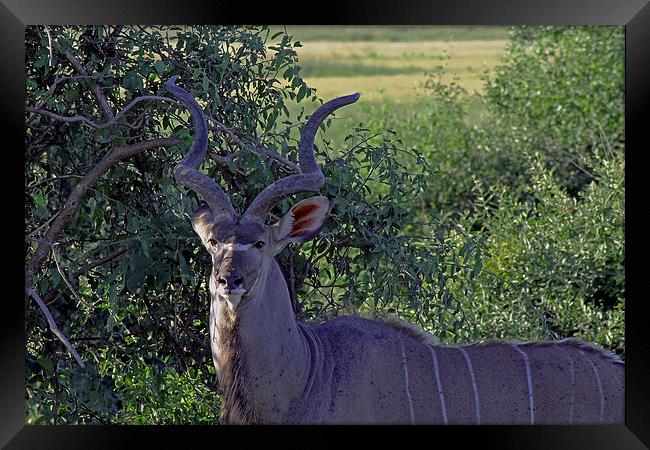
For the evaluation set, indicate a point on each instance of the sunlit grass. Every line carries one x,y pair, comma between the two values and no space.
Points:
394,69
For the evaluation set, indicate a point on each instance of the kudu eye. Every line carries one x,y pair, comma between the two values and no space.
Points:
260,244
213,242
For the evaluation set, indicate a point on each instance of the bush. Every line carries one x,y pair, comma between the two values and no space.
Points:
436,127
559,92
558,255
126,255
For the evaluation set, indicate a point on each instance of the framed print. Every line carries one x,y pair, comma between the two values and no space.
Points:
412,215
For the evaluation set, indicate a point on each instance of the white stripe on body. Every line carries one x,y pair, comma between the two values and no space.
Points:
439,385
474,387
531,399
406,378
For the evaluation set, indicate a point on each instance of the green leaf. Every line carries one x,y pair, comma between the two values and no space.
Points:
132,81
160,67
301,93
110,324
144,243
477,268
135,280
47,364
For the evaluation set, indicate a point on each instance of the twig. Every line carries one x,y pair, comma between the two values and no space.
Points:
583,170
57,81
110,257
93,124
47,180
49,43
65,280
55,329
360,188
31,235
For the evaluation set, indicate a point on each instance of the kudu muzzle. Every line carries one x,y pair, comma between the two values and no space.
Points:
229,277
229,282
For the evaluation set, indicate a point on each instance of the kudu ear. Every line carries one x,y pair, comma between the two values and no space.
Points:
302,223
202,222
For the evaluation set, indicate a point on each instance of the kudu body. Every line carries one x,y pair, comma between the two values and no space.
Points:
273,369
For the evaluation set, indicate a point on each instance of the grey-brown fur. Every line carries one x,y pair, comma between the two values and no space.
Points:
352,370
356,375
405,327
232,373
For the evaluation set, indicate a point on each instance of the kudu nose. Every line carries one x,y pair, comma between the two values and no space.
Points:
231,281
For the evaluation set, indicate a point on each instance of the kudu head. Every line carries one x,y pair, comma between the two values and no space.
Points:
243,246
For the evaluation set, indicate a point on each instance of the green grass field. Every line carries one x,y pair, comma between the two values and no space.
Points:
389,65
394,70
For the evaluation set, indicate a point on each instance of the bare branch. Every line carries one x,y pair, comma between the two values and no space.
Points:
65,279
57,81
93,124
60,118
49,43
108,258
74,200
94,88
53,326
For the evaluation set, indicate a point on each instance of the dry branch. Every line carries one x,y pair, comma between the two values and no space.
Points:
92,123
64,216
53,326
74,200
94,87
63,277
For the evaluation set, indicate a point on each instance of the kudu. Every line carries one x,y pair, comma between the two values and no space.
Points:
273,369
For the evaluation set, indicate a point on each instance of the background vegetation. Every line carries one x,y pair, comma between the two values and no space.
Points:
477,190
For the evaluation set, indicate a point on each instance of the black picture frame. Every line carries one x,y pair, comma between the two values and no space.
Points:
633,14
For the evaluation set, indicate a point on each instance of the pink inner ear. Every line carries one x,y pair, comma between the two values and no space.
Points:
301,227
305,217
301,211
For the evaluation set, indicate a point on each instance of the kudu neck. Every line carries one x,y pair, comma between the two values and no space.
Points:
260,353
271,306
